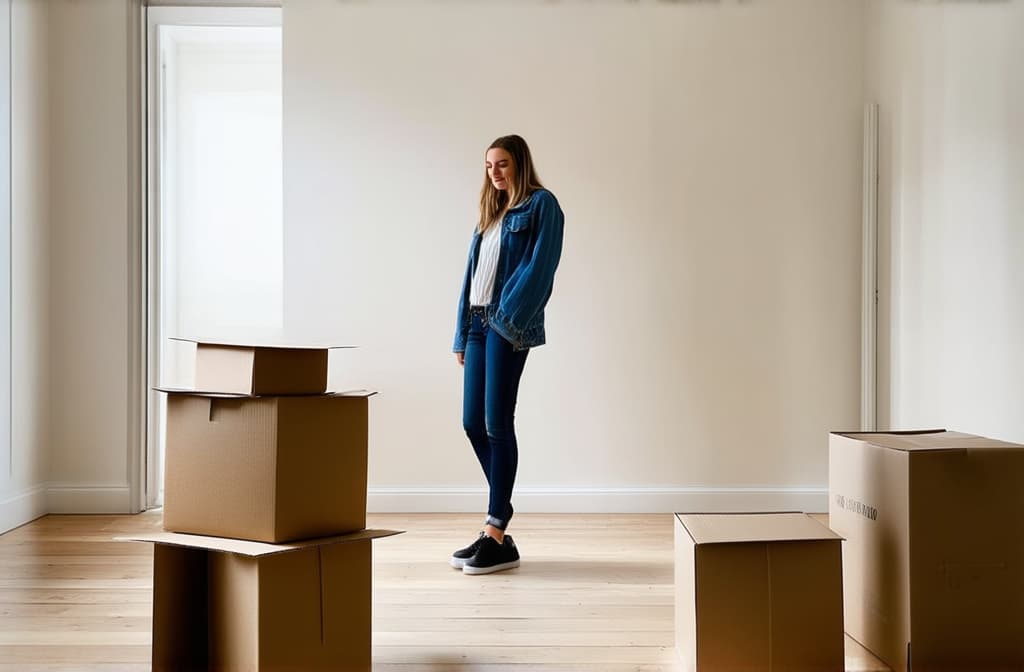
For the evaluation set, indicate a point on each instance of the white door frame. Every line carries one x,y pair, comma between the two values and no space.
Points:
6,261
156,16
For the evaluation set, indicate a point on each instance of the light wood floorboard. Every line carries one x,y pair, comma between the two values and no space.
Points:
594,594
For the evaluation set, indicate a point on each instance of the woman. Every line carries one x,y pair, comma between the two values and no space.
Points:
509,275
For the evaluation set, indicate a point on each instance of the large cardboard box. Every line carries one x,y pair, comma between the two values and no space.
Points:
260,369
270,469
934,556
225,604
758,591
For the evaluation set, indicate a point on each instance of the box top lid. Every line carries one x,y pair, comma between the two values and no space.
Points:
931,439
253,549
730,528
239,395
265,345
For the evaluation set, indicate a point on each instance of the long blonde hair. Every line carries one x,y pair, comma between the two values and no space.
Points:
494,202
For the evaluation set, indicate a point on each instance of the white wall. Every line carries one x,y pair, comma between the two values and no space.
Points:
949,83
24,469
88,400
704,331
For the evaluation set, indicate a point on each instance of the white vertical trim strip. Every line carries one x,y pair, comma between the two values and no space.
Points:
135,216
869,272
7,201
152,205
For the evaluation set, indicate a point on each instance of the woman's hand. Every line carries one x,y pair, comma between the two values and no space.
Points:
461,357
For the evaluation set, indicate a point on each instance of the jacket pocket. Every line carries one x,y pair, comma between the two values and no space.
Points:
515,240
517,223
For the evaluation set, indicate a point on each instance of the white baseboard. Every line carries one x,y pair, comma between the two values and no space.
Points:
28,505
601,500
88,498
22,507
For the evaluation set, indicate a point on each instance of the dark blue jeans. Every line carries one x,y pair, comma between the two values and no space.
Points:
489,391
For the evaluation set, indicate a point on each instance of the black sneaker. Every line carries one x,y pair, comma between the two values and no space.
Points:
493,557
460,556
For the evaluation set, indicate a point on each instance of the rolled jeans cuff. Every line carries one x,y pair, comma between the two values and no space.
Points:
496,522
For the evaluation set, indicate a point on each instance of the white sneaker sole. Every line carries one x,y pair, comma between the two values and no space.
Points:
457,563
470,569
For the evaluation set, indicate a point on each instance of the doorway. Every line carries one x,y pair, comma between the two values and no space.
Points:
215,236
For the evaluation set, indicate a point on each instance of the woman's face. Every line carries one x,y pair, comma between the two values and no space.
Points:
500,168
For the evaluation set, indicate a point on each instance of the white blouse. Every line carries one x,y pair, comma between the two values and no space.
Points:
486,267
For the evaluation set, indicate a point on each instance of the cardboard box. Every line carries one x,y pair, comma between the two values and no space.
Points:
758,591
270,469
225,604
260,369
934,556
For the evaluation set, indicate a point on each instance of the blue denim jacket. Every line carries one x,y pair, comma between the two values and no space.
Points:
531,245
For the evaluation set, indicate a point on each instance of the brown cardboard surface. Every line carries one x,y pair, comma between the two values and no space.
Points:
744,603
733,607
179,587
308,608
934,559
260,370
262,344
929,440
233,612
196,392
807,624
712,528
967,588
869,508
686,596
253,549
268,469
302,422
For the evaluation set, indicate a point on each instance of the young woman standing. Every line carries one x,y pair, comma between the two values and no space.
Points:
509,276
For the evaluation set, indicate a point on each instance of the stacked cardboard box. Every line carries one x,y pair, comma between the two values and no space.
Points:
266,564
934,556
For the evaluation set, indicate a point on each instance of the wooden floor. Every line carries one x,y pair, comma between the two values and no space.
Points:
594,594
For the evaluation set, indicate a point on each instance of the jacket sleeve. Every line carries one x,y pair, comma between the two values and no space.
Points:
461,320
529,287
